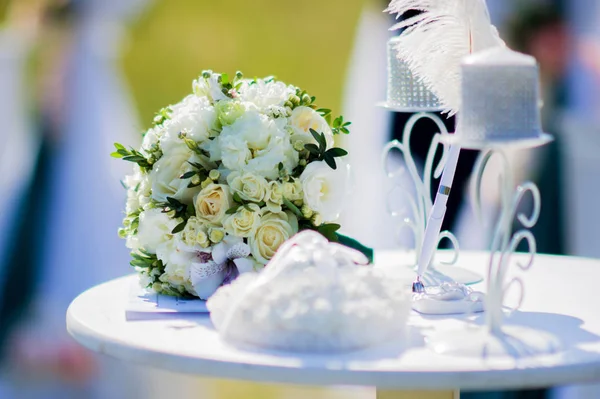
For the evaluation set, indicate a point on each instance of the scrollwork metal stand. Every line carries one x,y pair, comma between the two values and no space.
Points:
495,338
420,205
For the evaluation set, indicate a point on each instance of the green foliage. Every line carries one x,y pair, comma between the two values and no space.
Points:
145,260
162,116
295,210
132,155
240,202
339,125
321,153
329,231
180,211
199,171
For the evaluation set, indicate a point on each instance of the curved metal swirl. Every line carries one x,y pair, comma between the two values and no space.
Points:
504,242
415,219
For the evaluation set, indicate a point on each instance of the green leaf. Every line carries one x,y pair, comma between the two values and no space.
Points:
330,160
119,146
351,243
316,136
320,139
179,227
146,253
196,165
188,175
139,263
313,149
224,79
329,231
322,143
324,111
337,152
337,122
293,208
238,199
232,210
116,155
173,201
134,158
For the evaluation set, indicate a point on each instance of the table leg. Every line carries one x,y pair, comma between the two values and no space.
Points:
417,394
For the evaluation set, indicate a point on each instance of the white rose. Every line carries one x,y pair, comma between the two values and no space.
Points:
274,197
266,162
255,143
195,117
151,139
292,190
232,150
154,229
212,203
325,189
244,222
303,119
274,229
177,263
166,173
195,234
249,186
266,95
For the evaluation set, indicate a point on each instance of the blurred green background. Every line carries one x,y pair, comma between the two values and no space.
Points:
304,43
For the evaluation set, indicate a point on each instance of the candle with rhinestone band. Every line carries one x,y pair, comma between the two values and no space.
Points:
500,111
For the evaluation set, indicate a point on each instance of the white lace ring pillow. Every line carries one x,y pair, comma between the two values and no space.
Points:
314,296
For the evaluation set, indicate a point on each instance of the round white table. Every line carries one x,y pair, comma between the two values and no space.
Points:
561,298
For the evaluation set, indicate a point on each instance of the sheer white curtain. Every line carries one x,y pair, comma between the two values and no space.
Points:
366,217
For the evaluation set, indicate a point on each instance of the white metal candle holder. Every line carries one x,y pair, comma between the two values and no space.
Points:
494,338
405,93
500,114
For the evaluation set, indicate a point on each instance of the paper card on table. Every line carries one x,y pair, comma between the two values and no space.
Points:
143,302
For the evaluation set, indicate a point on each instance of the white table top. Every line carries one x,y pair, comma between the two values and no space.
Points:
562,297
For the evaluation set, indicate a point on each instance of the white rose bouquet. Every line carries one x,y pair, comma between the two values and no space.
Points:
224,177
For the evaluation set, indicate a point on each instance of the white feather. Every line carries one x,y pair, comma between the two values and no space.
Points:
435,41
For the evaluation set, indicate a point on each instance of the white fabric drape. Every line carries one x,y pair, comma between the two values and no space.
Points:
365,216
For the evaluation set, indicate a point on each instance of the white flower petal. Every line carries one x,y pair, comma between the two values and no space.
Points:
206,278
219,253
244,265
